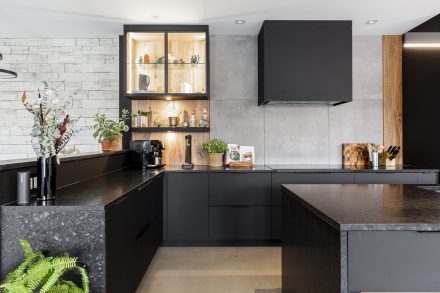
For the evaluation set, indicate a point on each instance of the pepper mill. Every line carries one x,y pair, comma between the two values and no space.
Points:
188,164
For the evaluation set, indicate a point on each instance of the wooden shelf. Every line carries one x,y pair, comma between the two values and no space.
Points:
170,129
163,97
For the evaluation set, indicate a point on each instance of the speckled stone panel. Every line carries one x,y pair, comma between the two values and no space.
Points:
54,230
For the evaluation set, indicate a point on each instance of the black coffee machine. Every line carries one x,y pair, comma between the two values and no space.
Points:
147,153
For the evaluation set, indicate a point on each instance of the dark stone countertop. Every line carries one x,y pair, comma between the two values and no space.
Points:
99,192
202,168
349,169
23,163
372,206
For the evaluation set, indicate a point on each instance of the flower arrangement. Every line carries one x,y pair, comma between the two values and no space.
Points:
53,127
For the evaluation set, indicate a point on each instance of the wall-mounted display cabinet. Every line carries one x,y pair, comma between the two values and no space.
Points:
166,61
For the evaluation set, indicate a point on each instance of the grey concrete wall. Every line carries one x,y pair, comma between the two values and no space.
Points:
293,134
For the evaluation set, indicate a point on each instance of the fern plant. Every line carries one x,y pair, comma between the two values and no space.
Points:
38,273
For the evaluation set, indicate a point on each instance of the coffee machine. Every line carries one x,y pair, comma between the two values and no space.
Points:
147,153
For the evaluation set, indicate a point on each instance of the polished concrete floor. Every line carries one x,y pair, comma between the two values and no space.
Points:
214,270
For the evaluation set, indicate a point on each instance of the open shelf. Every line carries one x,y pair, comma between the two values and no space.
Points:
170,129
163,97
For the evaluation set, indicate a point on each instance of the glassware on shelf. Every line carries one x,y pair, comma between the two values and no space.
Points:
192,119
204,121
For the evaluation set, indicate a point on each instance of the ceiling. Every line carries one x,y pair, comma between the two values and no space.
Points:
104,18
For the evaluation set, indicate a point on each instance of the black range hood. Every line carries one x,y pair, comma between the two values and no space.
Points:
305,62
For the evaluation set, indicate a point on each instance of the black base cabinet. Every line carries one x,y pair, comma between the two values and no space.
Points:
133,235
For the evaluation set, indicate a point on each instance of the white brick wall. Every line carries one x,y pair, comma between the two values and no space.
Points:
87,65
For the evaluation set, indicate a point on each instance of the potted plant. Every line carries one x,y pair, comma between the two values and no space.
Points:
216,149
38,273
108,130
51,131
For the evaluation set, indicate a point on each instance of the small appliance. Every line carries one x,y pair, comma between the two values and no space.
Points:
188,164
147,153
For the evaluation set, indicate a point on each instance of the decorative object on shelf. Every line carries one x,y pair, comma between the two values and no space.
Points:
185,88
6,74
144,82
178,61
106,129
38,273
67,151
195,59
240,155
139,60
216,148
204,122
160,60
188,164
52,130
147,59
142,119
192,119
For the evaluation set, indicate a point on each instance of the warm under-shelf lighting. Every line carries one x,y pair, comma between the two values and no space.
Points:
168,98
422,40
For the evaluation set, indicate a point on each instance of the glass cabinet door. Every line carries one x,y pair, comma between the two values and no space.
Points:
145,63
187,63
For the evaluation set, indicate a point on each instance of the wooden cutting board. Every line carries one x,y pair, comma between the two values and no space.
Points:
355,154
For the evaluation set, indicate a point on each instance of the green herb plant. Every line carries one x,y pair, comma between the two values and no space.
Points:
215,146
107,129
38,273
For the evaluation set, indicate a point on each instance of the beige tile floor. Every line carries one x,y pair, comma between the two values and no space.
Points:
214,270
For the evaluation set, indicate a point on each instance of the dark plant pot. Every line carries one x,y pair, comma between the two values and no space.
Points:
47,178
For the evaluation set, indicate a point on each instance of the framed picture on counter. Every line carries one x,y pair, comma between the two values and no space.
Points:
239,153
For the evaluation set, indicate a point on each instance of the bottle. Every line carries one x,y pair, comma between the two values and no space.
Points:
192,119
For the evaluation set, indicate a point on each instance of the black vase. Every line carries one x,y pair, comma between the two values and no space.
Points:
46,178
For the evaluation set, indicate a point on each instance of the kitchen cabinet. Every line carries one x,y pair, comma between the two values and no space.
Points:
386,178
165,60
188,211
239,223
133,235
239,189
117,240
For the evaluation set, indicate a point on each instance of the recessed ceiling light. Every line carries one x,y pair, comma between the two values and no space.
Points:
372,21
240,21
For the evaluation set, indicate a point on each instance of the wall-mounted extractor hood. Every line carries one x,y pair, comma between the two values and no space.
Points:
305,62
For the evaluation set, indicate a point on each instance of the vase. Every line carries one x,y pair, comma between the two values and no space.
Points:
106,145
46,178
215,159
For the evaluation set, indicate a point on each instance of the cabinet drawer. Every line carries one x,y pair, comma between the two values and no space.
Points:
393,261
386,178
306,178
276,223
239,189
239,223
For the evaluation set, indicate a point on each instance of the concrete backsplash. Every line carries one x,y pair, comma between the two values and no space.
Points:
299,134
293,134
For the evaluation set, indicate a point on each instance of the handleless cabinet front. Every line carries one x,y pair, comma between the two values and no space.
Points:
386,178
188,211
239,189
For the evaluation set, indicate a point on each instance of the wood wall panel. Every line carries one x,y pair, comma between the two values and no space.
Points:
174,153
392,92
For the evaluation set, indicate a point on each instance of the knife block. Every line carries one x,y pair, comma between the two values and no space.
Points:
385,161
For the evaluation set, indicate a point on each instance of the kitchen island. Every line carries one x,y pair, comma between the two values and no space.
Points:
360,238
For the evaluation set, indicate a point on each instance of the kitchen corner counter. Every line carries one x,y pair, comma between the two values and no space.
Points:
97,193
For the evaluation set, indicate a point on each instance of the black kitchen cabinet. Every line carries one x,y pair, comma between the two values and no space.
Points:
305,61
133,235
117,241
386,178
239,189
188,211
306,178
239,223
